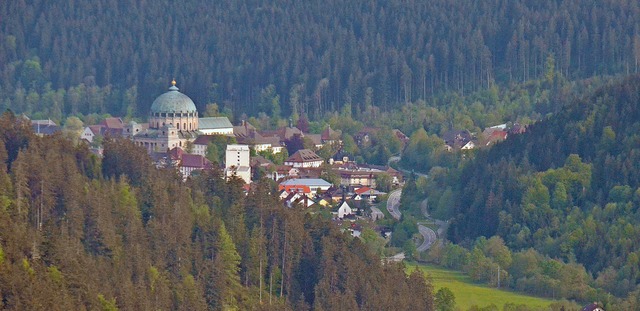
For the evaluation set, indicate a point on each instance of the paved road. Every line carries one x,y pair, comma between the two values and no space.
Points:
428,235
393,203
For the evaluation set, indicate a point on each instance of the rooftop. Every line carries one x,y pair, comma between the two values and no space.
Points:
214,123
310,182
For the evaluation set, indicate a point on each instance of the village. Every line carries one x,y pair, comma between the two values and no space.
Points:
176,137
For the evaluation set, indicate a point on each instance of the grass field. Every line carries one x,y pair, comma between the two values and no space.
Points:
468,293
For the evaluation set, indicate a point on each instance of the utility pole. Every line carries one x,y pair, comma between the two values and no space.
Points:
498,276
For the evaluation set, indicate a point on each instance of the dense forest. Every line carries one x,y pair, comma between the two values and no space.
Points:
114,57
82,233
568,188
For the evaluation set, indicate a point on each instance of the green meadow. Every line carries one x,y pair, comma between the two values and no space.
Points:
468,293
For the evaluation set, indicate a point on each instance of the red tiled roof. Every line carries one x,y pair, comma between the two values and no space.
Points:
362,190
304,155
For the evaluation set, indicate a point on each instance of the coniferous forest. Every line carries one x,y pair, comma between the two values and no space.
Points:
79,233
568,188
114,57
555,206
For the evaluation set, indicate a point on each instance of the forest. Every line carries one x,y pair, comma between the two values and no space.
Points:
554,208
82,233
107,56
567,189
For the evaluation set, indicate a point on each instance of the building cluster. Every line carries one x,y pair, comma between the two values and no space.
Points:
176,136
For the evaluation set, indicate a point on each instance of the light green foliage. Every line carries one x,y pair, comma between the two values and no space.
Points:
72,128
498,251
445,300
1,255
107,304
55,274
27,267
384,182
468,293
374,241
550,68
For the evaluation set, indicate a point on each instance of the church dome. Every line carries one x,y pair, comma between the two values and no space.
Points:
173,101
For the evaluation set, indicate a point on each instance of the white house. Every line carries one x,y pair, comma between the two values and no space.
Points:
344,210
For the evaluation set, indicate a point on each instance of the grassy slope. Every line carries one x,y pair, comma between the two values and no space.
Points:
468,293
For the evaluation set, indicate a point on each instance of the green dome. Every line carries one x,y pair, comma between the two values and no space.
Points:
173,101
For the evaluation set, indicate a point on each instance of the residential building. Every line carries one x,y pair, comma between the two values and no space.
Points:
238,162
304,158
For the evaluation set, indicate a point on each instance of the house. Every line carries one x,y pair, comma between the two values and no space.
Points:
316,139
469,145
284,171
401,136
44,127
517,128
329,136
215,125
341,157
365,136
304,185
368,193
112,126
592,307
304,158
491,137
455,140
201,143
90,132
283,133
193,162
344,210
354,175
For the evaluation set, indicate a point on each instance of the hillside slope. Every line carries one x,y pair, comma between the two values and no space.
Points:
569,187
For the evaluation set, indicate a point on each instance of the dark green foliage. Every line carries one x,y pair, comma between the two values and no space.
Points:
88,56
567,187
141,239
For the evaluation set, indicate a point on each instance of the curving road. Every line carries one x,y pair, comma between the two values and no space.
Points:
393,203
429,237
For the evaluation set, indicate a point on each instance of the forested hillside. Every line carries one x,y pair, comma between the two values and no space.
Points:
569,187
114,57
77,233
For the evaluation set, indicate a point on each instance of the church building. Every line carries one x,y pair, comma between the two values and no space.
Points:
173,122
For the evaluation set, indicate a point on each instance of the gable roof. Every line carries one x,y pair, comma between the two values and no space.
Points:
194,160
244,129
202,140
214,123
328,134
362,190
113,123
284,133
260,161
304,155
315,138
